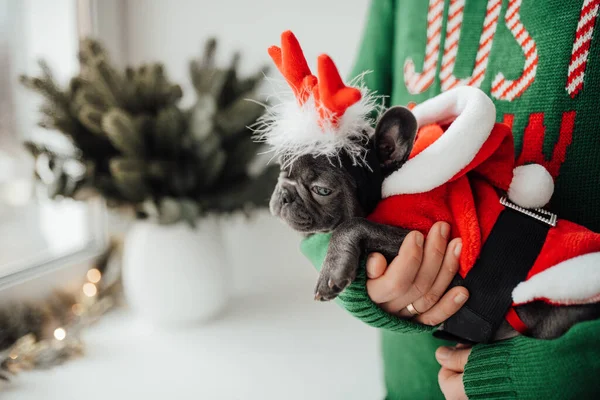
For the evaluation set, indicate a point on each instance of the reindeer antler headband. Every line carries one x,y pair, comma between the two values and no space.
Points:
323,117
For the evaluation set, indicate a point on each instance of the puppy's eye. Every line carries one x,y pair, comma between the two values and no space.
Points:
321,191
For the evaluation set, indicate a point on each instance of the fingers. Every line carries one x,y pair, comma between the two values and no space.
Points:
401,272
453,358
435,249
450,378
433,260
376,265
444,375
419,275
446,273
449,304
451,384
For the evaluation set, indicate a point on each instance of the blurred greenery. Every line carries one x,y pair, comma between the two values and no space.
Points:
137,147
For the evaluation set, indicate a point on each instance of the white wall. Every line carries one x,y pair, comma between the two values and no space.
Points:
263,252
47,30
36,29
174,31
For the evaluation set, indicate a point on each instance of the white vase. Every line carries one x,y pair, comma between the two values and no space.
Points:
175,274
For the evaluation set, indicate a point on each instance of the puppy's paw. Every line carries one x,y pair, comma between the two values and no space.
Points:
331,283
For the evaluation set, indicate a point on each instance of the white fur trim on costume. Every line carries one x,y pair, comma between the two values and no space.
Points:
292,130
574,281
532,186
474,116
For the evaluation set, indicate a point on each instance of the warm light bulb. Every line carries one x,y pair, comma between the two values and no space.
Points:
89,289
94,275
60,333
77,309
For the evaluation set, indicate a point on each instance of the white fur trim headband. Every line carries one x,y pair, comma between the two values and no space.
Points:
318,116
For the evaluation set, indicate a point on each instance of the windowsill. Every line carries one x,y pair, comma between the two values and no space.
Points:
270,345
38,237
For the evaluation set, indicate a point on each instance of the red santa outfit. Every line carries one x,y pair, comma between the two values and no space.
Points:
458,174
461,165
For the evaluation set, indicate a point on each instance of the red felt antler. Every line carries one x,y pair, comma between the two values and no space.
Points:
334,96
290,61
331,96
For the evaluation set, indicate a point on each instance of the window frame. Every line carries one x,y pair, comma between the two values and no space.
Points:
96,214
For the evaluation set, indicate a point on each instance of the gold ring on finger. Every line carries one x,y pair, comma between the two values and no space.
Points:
412,310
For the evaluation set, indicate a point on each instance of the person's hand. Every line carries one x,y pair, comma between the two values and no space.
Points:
450,378
418,277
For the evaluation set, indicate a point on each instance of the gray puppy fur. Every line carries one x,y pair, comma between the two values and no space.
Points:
316,194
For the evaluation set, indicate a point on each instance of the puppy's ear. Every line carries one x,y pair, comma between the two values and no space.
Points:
394,138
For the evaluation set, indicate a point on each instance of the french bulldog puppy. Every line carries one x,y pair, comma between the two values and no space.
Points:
318,194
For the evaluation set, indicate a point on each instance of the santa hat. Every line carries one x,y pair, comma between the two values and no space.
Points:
317,115
439,159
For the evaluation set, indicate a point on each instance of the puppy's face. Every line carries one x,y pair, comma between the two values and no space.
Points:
314,195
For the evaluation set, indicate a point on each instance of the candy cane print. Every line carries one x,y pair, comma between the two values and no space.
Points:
581,46
490,23
505,89
419,82
485,42
453,26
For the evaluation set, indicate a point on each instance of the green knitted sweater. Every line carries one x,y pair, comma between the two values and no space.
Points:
541,66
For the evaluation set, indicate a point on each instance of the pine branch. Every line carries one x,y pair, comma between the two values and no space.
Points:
237,117
122,133
170,126
137,144
129,178
246,194
239,155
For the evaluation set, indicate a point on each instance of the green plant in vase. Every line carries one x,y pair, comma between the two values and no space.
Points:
137,147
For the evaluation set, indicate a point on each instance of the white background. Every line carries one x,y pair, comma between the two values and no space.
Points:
174,31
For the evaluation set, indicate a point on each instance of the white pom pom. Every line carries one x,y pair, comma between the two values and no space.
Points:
531,186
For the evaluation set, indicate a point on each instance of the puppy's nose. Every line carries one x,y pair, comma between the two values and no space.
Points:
286,196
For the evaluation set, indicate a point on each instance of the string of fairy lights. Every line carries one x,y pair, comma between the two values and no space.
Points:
90,290
100,292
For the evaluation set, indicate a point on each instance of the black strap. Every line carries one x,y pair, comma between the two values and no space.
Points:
505,260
